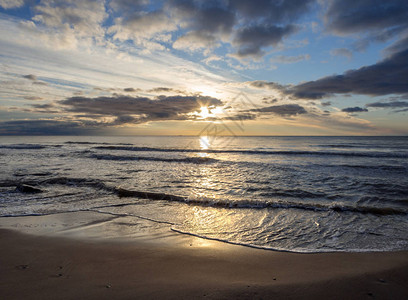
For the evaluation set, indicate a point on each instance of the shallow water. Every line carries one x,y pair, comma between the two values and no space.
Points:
303,194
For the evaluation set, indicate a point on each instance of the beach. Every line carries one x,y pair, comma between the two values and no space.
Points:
173,266
234,149
168,218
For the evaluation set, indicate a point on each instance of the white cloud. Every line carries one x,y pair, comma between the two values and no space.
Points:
28,49
194,41
148,29
7,4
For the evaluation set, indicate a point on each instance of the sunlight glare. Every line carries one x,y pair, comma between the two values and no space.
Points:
217,110
205,113
204,143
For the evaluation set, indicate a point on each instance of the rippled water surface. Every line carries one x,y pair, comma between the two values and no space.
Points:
305,194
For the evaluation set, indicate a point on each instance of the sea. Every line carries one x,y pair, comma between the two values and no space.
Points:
298,194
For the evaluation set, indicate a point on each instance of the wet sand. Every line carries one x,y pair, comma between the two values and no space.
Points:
183,267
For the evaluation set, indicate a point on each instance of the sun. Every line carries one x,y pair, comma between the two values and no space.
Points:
204,113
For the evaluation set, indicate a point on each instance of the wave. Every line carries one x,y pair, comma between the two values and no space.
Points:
94,143
129,147
23,146
364,146
258,204
258,152
195,160
280,249
367,167
221,203
89,182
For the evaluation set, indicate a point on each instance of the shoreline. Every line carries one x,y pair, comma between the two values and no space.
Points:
168,265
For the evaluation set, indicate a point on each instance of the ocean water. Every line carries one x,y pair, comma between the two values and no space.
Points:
300,194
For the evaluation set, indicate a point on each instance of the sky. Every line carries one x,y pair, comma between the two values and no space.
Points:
227,67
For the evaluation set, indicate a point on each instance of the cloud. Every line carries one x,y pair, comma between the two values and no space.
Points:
354,109
128,6
7,4
289,59
328,103
269,100
164,90
398,46
342,52
394,104
239,117
193,41
34,79
131,90
389,76
369,21
261,84
351,16
30,77
33,98
252,26
40,83
206,24
84,17
142,109
282,110
42,127
48,108
148,29
251,40
277,11
248,26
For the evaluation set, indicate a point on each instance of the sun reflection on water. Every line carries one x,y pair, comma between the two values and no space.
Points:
204,143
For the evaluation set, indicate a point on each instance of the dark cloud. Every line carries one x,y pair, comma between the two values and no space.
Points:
145,109
252,39
43,127
207,22
351,16
131,90
240,117
251,25
30,77
33,78
261,84
277,11
386,77
328,103
40,83
125,119
370,21
283,110
393,104
33,98
269,100
282,59
128,6
354,109
43,106
211,17
163,90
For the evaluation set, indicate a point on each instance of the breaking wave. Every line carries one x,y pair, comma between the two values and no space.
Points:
258,152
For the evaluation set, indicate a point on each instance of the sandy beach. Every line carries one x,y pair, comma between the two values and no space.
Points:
184,267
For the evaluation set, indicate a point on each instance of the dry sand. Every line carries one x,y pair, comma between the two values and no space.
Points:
44,267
